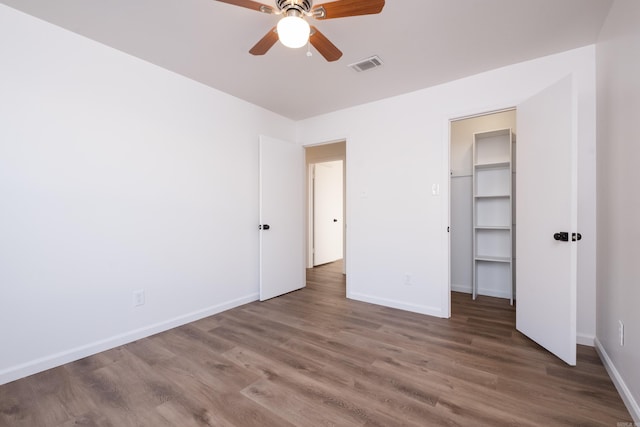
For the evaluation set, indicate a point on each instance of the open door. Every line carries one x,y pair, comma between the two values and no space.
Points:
282,267
546,206
327,212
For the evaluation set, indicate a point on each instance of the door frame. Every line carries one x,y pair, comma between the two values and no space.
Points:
576,135
476,130
446,179
309,199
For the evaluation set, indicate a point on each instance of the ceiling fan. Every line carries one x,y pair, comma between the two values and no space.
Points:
294,31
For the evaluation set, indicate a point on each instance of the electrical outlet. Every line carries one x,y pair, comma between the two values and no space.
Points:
621,332
407,280
138,297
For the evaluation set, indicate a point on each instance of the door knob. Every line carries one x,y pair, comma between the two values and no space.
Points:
562,236
335,220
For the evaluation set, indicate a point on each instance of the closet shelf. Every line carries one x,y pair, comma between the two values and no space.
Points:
493,210
493,165
492,258
493,196
493,227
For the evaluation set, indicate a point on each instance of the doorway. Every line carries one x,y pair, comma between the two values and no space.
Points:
326,204
546,207
493,276
327,213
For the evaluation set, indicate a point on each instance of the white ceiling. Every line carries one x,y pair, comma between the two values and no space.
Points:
422,43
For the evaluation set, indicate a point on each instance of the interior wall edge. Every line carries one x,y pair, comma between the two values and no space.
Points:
627,397
54,360
585,339
401,305
465,289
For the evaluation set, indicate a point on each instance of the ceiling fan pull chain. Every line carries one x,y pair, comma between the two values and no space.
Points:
309,54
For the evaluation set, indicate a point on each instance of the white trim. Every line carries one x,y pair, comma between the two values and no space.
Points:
415,308
584,339
483,113
310,207
495,293
465,289
42,364
449,118
309,199
445,298
621,386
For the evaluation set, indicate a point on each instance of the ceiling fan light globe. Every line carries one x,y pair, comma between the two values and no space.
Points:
293,31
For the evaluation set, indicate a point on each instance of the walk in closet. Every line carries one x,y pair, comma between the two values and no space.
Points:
482,205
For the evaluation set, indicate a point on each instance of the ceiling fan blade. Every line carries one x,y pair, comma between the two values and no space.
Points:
250,5
265,43
344,8
324,46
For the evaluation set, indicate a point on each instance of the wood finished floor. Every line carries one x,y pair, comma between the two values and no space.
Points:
314,358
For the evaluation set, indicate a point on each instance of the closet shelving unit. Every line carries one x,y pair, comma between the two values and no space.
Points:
493,210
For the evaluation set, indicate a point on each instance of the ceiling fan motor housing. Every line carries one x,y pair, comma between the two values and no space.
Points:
296,13
302,6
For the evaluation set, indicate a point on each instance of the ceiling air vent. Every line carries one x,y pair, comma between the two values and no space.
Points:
367,64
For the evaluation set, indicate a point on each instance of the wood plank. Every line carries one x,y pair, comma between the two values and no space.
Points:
332,393
313,357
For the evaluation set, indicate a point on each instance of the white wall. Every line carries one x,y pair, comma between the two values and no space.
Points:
618,71
396,150
116,175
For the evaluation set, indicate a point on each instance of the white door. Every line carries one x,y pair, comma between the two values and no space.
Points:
327,212
282,267
546,204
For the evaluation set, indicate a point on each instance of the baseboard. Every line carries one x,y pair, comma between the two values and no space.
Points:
486,292
621,386
415,308
42,364
494,293
584,339
461,288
